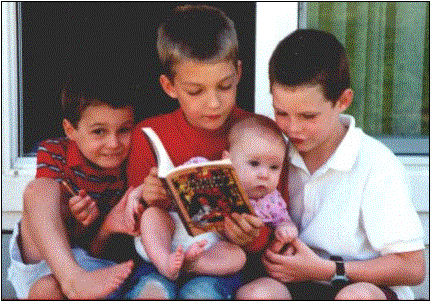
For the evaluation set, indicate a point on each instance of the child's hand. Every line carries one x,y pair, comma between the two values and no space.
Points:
286,232
133,208
153,191
83,208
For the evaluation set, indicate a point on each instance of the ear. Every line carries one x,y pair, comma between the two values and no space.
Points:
168,86
69,130
225,155
239,70
345,100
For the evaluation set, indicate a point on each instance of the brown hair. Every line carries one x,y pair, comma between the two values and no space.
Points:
310,57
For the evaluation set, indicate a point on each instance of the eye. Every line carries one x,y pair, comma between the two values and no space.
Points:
124,130
98,132
274,167
225,87
309,116
195,93
279,113
254,163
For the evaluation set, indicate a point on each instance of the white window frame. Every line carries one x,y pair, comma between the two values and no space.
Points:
274,21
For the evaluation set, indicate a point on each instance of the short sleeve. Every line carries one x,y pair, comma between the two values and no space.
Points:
50,159
389,217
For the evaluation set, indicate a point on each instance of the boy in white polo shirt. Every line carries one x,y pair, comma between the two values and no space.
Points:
360,236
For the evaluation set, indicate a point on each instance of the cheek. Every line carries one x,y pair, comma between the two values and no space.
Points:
126,141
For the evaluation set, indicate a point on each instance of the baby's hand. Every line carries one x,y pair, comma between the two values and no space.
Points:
286,232
153,191
83,208
133,208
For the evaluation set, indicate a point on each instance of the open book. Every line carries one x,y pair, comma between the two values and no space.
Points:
204,193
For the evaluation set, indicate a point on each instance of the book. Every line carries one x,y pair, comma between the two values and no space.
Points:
204,193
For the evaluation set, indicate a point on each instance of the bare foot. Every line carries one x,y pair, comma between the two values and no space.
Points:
193,253
97,284
195,250
172,266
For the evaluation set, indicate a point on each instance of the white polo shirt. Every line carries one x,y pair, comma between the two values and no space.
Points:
357,205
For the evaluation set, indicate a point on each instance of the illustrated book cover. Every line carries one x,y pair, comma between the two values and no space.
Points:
205,193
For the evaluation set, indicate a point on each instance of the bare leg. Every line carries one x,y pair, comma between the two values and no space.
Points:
223,258
44,236
46,288
156,230
263,288
361,291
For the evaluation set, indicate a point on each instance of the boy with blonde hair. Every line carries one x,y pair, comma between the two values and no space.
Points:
198,50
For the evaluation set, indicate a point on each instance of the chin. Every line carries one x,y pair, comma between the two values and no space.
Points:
110,164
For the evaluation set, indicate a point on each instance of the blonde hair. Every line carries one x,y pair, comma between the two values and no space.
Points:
196,32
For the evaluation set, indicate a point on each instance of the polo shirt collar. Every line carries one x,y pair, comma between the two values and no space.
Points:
75,158
345,155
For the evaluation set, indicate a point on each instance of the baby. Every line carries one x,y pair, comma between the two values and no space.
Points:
257,152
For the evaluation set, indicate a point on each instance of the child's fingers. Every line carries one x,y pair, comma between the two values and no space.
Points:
92,213
82,205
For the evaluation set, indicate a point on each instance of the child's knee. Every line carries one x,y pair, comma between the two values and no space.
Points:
263,288
360,291
155,214
46,287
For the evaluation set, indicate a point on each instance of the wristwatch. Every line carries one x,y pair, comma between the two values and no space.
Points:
339,277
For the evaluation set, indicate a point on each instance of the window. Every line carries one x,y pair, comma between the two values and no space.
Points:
388,47
58,38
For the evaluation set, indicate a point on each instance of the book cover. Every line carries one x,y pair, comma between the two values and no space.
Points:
205,193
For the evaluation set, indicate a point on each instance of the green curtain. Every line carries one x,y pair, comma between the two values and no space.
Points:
388,47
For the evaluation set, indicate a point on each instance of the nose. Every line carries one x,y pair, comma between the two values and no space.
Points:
263,173
214,100
294,126
113,141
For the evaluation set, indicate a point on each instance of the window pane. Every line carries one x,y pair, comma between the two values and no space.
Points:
388,47
61,38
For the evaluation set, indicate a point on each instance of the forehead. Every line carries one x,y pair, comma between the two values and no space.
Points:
104,114
302,97
199,72
256,142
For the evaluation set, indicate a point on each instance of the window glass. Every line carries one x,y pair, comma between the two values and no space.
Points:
388,47
62,38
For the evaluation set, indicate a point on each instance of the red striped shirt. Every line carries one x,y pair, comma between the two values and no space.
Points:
61,159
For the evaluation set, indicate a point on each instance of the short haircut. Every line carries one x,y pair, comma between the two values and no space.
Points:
196,32
310,57
260,124
78,93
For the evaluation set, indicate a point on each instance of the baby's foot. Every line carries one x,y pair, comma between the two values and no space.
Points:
172,266
195,250
192,253
96,284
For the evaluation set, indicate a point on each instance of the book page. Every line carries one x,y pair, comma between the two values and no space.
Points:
206,195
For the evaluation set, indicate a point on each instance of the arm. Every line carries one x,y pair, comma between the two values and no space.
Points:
406,268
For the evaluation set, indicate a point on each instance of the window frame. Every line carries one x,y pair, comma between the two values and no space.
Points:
401,146
17,170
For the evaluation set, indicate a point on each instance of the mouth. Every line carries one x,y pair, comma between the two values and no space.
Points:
112,156
213,117
296,140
